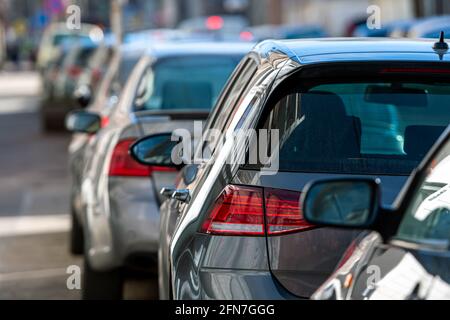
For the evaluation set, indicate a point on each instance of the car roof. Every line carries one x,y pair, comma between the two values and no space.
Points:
309,51
133,49
168,49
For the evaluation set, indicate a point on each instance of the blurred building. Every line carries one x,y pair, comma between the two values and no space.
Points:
333,15
424,8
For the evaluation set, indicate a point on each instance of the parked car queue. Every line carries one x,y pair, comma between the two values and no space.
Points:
369,110
366,109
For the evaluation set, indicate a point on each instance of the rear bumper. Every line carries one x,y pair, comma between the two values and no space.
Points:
225,268
129,231
134,217
232,284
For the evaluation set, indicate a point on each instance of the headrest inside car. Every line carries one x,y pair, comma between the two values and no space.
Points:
420,139
187,95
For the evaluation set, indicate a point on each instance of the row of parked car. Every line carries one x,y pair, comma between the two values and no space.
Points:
345,191
425,27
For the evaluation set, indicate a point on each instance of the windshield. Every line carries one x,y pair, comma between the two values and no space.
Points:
427,220
376,128
185,82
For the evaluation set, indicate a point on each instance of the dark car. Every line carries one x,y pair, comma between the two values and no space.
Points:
407,254
317,109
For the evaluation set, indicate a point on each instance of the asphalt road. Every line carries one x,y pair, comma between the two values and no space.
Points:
34,201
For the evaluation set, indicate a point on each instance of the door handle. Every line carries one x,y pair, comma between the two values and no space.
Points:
182,195
167,192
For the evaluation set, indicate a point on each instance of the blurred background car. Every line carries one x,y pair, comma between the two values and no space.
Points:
171,86
396,29
57,33
217,27
95,69
260,33
405,258
102,103
75,59
430,27
234,230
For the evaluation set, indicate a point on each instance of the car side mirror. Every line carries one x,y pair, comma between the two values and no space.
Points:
81,121
156,150
347,203
83,95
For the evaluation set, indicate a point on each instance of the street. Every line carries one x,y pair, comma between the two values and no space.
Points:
34,199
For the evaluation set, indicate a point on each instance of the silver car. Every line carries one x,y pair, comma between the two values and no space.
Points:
103,101
172,85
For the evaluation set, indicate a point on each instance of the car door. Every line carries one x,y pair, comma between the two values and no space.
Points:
416,263
192,175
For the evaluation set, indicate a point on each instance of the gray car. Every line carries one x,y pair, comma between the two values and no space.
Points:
317,109
103,102
171,85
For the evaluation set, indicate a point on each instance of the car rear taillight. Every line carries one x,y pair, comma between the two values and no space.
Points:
240,211
214,23
74,71
96,75
104,122
283,212
123,165
247,36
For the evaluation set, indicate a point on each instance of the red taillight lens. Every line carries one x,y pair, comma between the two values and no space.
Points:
104,122
215,23
123,165
240,211
74,71
283,212
247,36
96,75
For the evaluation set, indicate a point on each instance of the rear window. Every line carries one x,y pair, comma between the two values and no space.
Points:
185,82
382,127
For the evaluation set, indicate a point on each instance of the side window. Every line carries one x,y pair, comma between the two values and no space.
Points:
227,105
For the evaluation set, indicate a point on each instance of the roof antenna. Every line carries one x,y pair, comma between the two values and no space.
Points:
441,45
